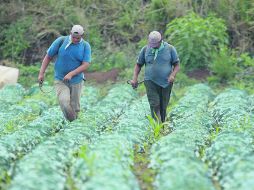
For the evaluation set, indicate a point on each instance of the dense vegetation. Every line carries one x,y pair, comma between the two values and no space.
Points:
213,34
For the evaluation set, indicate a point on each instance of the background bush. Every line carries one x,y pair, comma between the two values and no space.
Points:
223,65
117,29
196,38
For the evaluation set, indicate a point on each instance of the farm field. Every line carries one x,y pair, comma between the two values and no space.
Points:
206,143
205,47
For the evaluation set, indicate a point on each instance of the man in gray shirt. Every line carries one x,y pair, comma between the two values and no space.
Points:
161,65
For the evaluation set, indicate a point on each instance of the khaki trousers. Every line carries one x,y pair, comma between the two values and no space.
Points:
69,98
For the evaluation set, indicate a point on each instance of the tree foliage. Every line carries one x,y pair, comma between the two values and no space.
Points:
111,23
196,38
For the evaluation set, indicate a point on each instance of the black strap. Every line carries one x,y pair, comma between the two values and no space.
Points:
61,43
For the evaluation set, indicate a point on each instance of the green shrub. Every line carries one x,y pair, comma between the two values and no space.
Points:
93,37
142,43
245,61
109,61
15,38
196,38
245,77
161,12
223,65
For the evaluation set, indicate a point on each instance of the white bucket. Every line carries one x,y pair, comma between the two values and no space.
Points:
8,75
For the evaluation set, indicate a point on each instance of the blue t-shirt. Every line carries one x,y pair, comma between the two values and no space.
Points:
158,69
69,57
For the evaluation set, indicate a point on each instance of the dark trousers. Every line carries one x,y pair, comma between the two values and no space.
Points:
158,98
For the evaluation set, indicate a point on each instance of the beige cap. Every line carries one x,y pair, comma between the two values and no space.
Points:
154,39
77,29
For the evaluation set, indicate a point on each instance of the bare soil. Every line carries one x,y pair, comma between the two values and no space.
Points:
199,74
102,77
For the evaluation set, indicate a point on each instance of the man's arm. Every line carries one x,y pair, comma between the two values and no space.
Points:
80,69
172,76
136,72
43,68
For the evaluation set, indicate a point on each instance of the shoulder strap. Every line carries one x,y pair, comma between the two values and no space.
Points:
170,46
170,49
145,48
61,43
84,43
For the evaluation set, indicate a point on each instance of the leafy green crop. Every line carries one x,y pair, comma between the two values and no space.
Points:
114,152
55,153
231,152
16,145
10,95
175,155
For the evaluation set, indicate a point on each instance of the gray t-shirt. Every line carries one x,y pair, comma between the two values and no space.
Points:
159,69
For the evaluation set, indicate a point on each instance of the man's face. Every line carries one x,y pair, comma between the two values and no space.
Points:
158,45
75,38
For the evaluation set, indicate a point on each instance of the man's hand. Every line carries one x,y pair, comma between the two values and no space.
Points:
171,78
68,77
41,77
134,84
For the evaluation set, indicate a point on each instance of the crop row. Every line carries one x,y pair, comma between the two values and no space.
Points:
106,163
174,156
21,107
10,95
231,153
13,146
46,165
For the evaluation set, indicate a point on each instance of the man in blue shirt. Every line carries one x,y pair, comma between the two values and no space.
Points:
73,58
161,65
